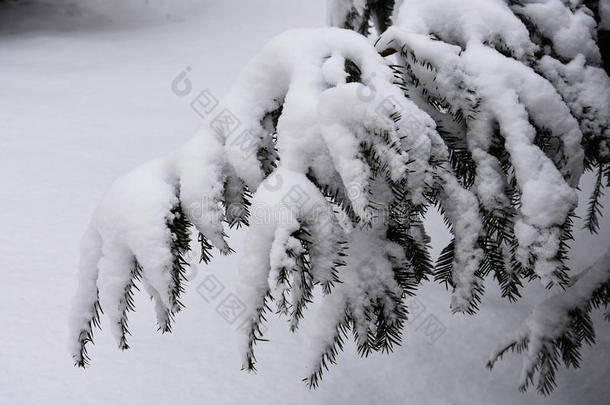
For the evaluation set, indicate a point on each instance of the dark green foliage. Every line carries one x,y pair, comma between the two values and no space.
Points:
353,71
267,153
406,221
298,278
179,245
206,248
237,213
498,240
417,78
386,333
381,13
462,164
335,196
564,348
377,12
179,225
255,334
329,356
86,335
302,278
443,273
444,266
498,237
385,312
136,275
594,208
565,237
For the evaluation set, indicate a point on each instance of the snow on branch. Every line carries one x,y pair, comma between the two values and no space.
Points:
511,123
331,151
141,231
558,326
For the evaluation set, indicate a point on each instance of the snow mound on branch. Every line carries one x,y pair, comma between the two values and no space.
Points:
474,58
132,232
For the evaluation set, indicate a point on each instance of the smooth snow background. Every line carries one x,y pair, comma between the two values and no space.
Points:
85,95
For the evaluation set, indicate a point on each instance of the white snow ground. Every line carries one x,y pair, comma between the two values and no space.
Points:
85,96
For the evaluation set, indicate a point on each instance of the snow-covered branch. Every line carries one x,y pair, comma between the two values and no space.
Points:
332,151
558,326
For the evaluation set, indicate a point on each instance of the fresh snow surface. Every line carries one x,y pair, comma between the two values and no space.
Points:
86,94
